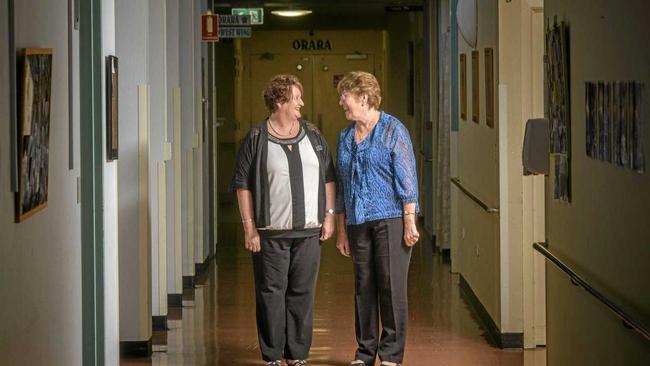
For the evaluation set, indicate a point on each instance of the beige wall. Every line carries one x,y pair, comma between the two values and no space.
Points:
477,252
603,233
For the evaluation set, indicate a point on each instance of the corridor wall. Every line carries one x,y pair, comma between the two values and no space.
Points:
476,255
40,258
603,233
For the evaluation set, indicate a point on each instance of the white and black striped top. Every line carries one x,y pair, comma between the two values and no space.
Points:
293,170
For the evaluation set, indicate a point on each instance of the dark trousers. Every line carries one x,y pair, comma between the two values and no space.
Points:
285,278
381,262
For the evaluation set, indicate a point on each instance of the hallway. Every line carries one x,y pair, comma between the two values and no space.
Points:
219,327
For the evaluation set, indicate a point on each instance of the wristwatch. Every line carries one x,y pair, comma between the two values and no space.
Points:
329,211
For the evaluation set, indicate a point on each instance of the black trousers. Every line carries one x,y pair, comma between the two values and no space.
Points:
285,280
381,262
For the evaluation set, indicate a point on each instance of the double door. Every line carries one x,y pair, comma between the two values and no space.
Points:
319,75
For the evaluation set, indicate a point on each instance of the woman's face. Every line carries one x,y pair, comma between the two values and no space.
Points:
352,105
291,109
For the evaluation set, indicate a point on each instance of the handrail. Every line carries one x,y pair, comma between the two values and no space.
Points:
469,194
628,321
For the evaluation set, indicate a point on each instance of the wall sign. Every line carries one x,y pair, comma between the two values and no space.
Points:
312,44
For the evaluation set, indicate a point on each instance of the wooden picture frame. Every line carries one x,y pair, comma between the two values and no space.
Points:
462,66
489,87
475,88
112,136
33,135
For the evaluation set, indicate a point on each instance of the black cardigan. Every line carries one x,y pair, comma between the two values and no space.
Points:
250,169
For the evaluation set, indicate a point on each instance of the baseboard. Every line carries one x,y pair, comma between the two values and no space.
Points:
135,348
159,322
175,300
201,268
445,253
188,282
501,340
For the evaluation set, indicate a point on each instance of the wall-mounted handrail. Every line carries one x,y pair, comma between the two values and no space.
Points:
474,198
628,321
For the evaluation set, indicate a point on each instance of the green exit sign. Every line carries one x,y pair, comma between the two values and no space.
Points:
256,14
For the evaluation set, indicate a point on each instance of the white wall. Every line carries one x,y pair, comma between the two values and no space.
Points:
111,252
174,271
131,37
40,258
190,68
157,59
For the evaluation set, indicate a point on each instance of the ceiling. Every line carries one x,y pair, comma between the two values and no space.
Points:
328,7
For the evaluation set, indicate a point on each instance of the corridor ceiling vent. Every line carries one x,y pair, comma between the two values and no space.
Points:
292,13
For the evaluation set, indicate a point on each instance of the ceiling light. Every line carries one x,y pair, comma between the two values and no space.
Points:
291,12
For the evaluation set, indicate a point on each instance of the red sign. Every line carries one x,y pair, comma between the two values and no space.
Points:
210,27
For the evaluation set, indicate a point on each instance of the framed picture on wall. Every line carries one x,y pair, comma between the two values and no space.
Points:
475,88
463,85
489,87
112,137
35,92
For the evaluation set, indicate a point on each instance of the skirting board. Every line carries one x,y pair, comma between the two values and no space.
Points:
501,340
188,282
174,300
135,348
159,322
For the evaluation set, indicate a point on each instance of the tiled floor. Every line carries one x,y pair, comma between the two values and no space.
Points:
219,328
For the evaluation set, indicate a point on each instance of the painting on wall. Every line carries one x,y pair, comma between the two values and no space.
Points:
489,87
35,91
557,104
613,126
112,140
463,86
475,88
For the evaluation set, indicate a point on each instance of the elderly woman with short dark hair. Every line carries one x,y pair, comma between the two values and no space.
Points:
376,203
285,183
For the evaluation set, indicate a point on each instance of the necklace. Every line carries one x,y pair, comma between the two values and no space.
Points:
360,136
290,133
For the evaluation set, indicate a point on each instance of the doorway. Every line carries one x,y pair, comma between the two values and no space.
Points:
319,75
319,69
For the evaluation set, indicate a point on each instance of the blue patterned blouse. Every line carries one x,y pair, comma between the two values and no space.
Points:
377,176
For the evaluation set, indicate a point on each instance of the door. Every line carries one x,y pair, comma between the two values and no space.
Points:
264,67
319,75
328,70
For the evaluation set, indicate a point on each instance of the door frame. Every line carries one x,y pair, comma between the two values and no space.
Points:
91,186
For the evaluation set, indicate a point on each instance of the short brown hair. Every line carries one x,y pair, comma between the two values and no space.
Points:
361,83
278,90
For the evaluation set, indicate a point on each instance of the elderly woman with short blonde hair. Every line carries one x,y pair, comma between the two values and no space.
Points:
376,204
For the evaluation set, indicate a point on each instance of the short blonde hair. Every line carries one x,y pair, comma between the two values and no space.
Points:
278,90
361,83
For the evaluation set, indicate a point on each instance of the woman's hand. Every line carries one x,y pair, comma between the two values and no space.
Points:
411,234
251,237
342,243
327,229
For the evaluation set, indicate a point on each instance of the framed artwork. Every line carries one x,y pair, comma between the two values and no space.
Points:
489,87
613,123
35,91
463,86
557,106
112,137
475,88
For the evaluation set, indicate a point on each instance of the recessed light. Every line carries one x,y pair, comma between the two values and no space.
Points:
291,12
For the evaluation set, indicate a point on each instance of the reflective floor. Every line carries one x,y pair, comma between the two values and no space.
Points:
218,319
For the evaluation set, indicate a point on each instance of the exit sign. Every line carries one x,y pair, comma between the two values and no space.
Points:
256,14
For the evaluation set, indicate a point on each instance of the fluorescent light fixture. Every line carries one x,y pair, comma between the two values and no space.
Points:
291,12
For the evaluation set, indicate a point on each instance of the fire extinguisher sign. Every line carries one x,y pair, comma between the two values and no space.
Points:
210,27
